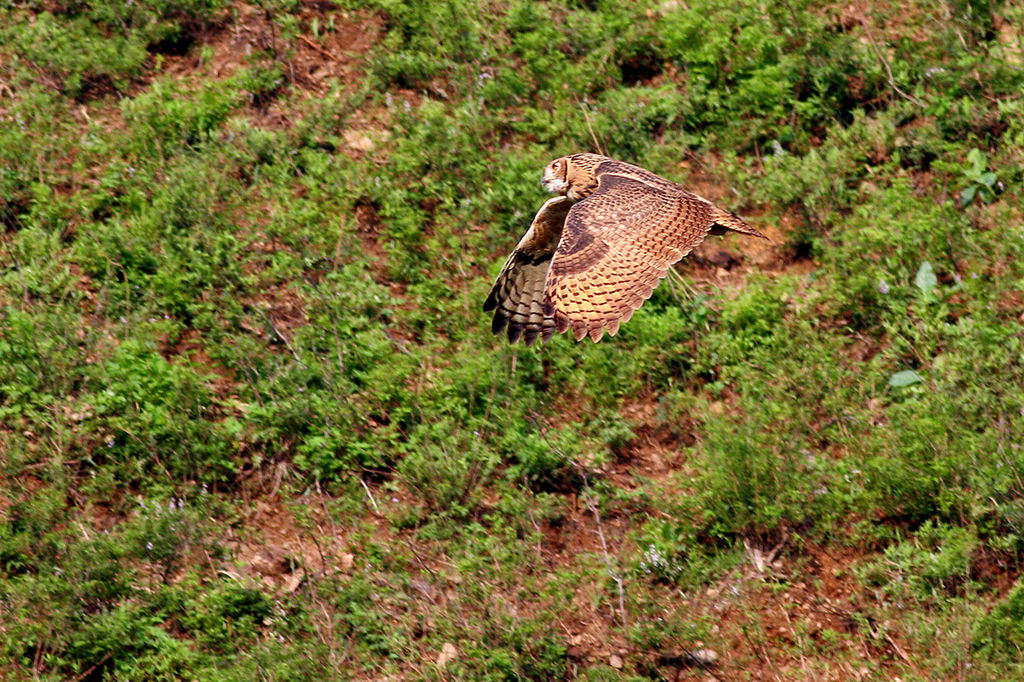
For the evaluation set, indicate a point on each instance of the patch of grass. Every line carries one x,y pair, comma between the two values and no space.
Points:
76,55
997,636
934,564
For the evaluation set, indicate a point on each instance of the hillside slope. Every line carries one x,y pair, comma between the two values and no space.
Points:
253,423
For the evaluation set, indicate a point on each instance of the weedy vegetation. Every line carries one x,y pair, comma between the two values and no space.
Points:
253,424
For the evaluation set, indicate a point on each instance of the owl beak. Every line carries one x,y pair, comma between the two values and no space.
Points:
553,183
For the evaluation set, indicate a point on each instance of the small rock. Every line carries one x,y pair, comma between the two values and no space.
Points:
448,654
271,562
701,658
346,561
694,658
293,581
358,141
615,661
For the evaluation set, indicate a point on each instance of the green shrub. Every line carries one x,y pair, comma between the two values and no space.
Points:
999,635
426,40
32,147
446,472
77,54
227,615
933,565
544,462
166,118
757,480
40,362
150,413
675,553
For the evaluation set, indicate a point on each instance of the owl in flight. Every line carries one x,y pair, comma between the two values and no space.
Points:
595,252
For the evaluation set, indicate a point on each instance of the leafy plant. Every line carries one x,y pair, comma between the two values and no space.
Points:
983,184
999,634
935,563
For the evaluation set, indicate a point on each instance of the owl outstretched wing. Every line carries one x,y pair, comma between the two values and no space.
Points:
616,246
517,297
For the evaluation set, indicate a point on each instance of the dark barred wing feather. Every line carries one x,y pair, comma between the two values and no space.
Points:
517,296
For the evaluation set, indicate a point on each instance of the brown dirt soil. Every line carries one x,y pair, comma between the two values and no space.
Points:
315,64
271,546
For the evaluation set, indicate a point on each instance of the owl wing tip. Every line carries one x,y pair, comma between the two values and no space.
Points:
498,323
530,334
725,221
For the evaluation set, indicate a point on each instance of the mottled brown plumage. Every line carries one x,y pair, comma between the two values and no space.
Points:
594,254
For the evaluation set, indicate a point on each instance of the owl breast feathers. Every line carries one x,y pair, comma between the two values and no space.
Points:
596,251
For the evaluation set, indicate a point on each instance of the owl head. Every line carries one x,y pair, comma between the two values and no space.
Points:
574,176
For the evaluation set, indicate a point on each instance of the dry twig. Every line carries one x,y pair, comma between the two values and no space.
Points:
590,127
369,495
318,48
883,60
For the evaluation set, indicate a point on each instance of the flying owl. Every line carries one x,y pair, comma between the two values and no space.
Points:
595,252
